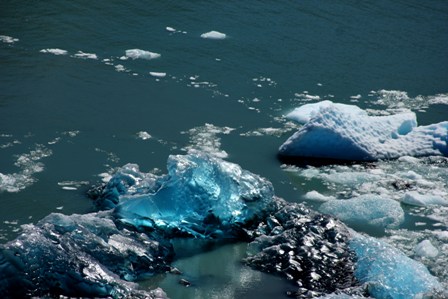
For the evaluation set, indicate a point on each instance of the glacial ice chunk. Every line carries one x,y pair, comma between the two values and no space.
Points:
213,35
201,196
372,210
334,133
388,272
80,256
304,113
426,249
423,200
141,54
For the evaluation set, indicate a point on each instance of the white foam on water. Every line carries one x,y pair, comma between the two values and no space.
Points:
158,74
205,138
8,39
213,35
54,51
141,54
83,55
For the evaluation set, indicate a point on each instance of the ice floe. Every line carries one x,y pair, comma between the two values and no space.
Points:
426,249
334,133
8,39
83,55
365,210
213,35
54,51
158,74
141,54
143,135
416,199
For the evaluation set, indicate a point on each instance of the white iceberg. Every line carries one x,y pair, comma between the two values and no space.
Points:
304,113
335,133
141,54
213,35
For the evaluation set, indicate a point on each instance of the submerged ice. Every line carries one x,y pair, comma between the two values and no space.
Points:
335,131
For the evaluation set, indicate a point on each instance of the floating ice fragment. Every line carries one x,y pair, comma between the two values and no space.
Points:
141,54
316,196
8,39
157,74
120,68
143,135
372,210
334,133
213,35
423,200
426,249
389,273
81,54
54,51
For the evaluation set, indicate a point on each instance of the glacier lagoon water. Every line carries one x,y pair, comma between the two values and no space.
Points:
66,119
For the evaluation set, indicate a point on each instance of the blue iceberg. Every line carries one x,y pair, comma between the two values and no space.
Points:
332,132
201,196
80,255
388,273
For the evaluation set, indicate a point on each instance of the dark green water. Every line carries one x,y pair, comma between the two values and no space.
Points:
64,120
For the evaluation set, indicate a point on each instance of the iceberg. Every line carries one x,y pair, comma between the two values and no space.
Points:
80,255
201,196
388,273
308,248
341,134
371,210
